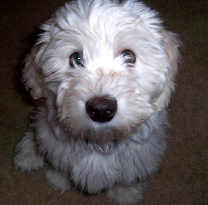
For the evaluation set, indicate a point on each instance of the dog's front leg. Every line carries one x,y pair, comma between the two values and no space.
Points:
128,195
27,157
59,181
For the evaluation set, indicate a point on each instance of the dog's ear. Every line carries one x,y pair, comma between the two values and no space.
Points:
170,44
31,74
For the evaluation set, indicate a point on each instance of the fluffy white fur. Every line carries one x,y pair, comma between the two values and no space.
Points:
118,155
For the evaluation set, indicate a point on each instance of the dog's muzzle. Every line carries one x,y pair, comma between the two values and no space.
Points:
101,109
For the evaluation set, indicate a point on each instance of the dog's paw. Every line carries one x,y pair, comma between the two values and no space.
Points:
57,180
127,195
26,156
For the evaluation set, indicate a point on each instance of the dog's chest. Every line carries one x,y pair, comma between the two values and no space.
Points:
94,171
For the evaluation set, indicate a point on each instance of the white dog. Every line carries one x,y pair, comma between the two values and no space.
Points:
105,71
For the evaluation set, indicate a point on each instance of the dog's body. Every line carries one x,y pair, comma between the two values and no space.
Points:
106,71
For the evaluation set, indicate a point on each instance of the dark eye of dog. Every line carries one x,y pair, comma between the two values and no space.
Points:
129,57
76,59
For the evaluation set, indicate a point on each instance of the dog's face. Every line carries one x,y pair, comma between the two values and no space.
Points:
106,66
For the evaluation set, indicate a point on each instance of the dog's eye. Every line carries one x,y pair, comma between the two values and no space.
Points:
129,57
76,60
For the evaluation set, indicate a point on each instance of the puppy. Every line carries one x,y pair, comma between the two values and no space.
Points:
105,71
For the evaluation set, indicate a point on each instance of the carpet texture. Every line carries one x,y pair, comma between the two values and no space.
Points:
183,175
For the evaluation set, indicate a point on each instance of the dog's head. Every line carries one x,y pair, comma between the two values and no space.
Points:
107,66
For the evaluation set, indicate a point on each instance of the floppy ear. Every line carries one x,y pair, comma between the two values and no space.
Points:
170,44
31,74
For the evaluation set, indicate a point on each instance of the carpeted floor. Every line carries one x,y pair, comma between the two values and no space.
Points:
183,176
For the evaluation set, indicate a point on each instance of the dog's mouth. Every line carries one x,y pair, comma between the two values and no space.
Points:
103,137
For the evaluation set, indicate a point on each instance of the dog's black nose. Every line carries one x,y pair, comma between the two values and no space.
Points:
101,109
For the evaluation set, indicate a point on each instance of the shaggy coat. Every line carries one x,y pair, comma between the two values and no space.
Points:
105,71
